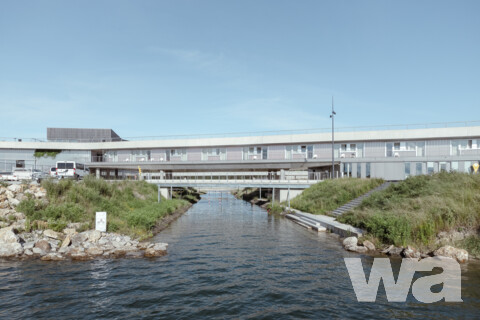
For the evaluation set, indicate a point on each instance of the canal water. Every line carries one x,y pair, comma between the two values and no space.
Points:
227,259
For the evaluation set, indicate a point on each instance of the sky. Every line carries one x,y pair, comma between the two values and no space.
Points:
156,68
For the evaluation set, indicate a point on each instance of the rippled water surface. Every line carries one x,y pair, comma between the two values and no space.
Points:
227,259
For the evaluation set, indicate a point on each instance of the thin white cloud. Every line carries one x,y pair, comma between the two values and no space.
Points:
274,114
214,63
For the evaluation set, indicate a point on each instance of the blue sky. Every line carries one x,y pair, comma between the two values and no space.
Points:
147,68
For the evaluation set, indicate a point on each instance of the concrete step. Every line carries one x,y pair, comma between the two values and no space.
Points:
357,201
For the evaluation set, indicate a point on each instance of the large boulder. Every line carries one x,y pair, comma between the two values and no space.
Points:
460,255
8,236
158,250
350,242
43,245
10,250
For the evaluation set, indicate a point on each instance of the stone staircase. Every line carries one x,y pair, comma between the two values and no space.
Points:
357,201
322,222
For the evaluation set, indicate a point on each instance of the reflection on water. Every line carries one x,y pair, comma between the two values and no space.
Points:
227,259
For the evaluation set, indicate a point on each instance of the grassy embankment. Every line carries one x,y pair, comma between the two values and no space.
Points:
330,194
131,206
414,211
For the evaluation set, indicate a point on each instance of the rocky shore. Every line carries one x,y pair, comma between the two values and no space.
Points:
49,245
352,244
16,242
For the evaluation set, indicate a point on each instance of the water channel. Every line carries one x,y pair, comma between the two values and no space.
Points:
227,259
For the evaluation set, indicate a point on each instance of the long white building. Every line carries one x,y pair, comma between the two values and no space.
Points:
389,154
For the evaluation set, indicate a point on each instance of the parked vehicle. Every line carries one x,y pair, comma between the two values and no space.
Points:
7,176
53,172
23,174
39,175
71,169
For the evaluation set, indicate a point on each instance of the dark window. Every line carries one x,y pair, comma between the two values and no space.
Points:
61,165
69,165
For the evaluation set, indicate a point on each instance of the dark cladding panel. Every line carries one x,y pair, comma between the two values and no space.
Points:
81,135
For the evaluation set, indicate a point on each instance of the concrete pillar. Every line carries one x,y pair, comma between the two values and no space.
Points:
286,194
165,192
97,173
282,174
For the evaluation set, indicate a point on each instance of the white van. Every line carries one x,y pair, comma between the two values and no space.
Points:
70,169
53,171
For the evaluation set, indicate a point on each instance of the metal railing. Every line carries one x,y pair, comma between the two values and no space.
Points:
432,125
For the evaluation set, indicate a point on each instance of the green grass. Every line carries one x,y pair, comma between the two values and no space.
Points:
330,194
131,206
414,211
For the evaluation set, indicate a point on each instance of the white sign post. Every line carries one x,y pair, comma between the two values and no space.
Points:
101,221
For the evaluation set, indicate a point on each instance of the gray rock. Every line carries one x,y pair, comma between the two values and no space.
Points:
38,251
94,251
28,252
13,202
52,234
460,255
411,253
158,250
66,242
395,251
52,257
8,236
43,245
28,245
15,188
93,235
350,242
69,231
369,245
10,250
19,215
78,239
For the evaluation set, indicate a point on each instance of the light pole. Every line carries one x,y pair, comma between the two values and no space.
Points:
333,140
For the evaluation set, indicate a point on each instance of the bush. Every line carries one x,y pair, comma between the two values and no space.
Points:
414,211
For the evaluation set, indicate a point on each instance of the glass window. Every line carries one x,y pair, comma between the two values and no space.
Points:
389,146
360,150
407,169
430,169
470,144
418,168
304,149
396,146
367,171
442,166
353,147
359,170
468,167
343,147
